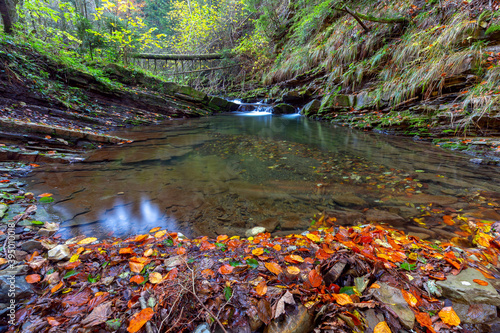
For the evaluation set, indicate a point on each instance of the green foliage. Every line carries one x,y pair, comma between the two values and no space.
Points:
492,29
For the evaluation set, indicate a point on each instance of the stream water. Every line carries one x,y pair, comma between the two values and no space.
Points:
228,173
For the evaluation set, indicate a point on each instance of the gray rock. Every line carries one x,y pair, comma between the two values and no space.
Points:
60,252
299,321
283,108
346,217
475,313
269,224
462,289
254,231
364,100
349,200
394,299
191,94
202,328
311,108
22,288
375,215
338,101
16,270
372,319
31,246
48,229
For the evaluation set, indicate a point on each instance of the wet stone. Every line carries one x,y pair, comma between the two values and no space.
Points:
375,215
475,313
31,246
22,288
394,299
299,321
349,200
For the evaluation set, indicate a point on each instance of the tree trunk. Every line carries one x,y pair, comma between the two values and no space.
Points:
4,11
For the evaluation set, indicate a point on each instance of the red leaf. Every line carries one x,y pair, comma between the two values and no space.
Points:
315,279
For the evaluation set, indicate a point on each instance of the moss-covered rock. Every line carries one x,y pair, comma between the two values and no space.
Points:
283,108
311,108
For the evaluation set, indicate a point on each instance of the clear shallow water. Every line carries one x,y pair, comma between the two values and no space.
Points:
228,173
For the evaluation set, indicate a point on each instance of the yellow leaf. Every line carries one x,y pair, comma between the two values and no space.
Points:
293,270
258,251
87,240
74,258
342,299
3,261
382,327
154,229
313,237
160,234
155,278
148,252
274,267
448,316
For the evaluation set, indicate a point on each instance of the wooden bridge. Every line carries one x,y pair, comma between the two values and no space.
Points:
161,61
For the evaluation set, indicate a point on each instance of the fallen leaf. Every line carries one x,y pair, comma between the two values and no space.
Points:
3,261
137,279
139,319
315,279
57,287
221,238
448,316
342,299
409,298
261,288
480,282
126,250
274,267
154,229
287,298
155,277
181,250
226,269
294,259
135,266
293,270
87,240
44,195
99,315
52,321
424,319
258,251
313,237
277,247
148,252
160,234
207,273
264,311
33,278
382,327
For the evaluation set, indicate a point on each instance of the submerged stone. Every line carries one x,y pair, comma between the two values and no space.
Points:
283,108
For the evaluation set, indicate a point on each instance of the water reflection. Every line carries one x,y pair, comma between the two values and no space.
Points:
229,173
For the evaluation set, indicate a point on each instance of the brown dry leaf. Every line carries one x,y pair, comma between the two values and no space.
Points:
315,279
264,311
155,278
33,278
135,266
226,269
99,315
480,282
448,316
342,299
261,288
293,270
139,319
287,298
258,251
274,267
382,327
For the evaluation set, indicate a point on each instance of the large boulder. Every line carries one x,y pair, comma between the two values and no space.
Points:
311,108
190,94
461,288
338,101
283,108
222,105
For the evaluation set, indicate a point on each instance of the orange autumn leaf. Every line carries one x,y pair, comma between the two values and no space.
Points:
447,219
448,316
52,321
206,246
258,251
342,299
181,250
126,250
382,327
322,255
375,286
313,237
315,279
293,270
155,278
294,259
33,278
221,238
480,282
261,288
140,238
135,266
207,273
160,234
137,279
277,247
154,229
148,252
44,195
424,319
57,287
409,298
139,319
171,275
274,267
226,269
